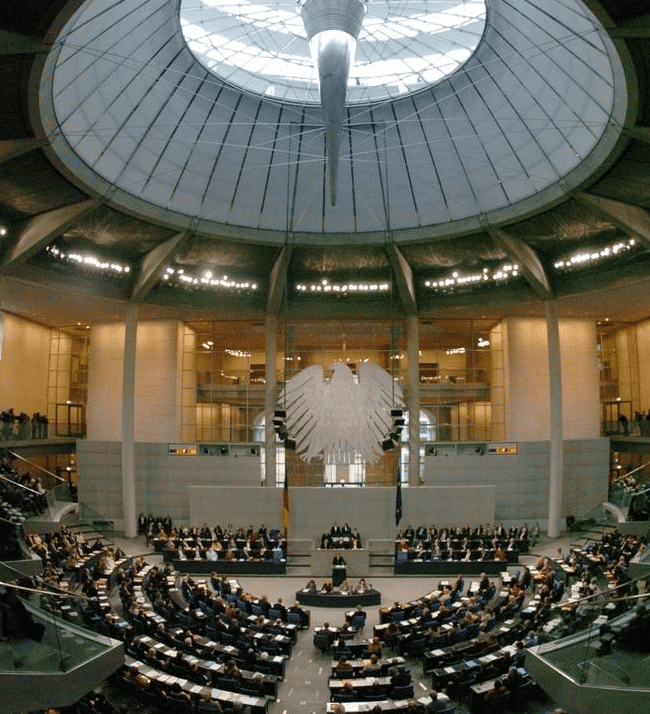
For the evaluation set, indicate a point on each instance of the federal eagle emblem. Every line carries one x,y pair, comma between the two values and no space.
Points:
336,418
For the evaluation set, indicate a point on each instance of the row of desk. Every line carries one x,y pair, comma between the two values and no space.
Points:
258,705
338,599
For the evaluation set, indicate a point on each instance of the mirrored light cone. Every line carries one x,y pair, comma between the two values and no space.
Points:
333,27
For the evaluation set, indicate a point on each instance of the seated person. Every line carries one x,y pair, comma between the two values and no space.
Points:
372,668
498,689
512,680
401,678
437,703
347,694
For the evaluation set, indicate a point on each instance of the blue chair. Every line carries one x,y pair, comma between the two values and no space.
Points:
293,618
358,621
322,641
403,692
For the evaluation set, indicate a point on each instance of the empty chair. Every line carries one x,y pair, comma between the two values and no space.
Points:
397,616
404,691
293,618
417,647
274,614
358,621
322,641
392,640
342,653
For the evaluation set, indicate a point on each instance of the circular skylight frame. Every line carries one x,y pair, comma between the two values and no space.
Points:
539,109
402,48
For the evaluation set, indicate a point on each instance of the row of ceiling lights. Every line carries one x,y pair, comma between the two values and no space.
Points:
208,279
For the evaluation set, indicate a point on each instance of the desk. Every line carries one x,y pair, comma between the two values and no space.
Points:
448,567
386,705
333,599
477,695
240,567
357,562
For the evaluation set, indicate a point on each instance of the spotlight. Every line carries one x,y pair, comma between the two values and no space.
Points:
280,414
396,413
289,444
387,444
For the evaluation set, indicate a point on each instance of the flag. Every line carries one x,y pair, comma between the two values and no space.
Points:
286,514
398,501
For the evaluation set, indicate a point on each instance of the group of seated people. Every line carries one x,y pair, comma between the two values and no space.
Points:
230,544
479,543
185,643
21,491
340,537
344,588
22,426
65,551
448,616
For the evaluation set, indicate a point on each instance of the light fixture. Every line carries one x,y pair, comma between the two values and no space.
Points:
88,261
587,258
207,279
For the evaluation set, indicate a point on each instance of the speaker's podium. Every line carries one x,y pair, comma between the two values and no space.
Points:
339,572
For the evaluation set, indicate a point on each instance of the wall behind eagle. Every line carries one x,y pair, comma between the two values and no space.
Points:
457,488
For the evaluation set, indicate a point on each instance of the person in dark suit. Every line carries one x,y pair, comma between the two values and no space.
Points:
339,570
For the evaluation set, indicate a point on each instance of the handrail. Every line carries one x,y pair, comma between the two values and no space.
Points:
21,485
36,466
62,593
8,521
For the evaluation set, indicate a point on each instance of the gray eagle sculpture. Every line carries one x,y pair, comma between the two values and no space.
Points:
338,417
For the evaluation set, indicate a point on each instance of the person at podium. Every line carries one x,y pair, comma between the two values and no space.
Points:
339,570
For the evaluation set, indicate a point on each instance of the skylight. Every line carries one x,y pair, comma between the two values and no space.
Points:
261,46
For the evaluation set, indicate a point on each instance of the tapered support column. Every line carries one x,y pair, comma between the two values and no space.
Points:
556,433
333,27
128,430
413,350
269,400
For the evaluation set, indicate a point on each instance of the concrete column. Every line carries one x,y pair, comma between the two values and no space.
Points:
270,398
128,412
556,431
413,351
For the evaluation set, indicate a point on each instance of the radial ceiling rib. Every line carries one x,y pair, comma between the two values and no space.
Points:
152,264
633,220
642,133
403,277
12,148
13,43
278,280
638,27
527,259
40,230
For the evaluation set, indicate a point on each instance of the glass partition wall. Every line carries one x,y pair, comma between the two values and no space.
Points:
460,372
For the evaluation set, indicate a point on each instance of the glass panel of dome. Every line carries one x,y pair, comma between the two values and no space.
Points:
261,45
